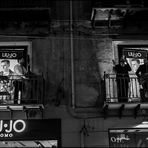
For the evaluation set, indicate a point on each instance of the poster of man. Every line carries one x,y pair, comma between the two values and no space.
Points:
8,62
135,58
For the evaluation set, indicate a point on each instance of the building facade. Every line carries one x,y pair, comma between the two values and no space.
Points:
69,56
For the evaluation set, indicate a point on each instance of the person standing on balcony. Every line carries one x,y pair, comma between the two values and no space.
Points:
142,74
122,78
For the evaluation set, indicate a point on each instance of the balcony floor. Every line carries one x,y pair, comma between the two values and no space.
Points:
130,105
5,107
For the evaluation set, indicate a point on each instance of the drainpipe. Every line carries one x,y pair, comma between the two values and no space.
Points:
72,58
82,139
71,103
83,134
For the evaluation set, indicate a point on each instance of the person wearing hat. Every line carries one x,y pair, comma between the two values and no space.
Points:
122,78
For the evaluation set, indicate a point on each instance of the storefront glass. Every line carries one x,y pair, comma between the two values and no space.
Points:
30,133
31,144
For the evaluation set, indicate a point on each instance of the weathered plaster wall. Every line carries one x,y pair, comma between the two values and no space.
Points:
51,56
92,56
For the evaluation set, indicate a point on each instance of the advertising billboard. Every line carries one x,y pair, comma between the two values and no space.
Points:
128,137
13,53
30,133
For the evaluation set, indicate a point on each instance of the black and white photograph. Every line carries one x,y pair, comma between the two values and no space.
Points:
73,73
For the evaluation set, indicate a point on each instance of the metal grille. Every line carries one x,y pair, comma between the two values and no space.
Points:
21,91
115,88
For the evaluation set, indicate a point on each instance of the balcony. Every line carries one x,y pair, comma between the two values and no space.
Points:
21,94
133,93
121,99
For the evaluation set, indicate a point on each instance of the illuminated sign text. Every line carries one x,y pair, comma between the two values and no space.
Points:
9,55
8,128
140,54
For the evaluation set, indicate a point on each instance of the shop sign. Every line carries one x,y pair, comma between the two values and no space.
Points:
10,54
9,128
140,54
22,129
130,137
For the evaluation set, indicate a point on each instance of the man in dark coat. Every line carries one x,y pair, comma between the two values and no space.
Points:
122,79
142,74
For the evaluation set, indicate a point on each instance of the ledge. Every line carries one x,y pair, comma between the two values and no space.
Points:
143,105
20,107
24,108
125,109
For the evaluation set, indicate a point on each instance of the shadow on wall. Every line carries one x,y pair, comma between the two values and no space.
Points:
86,96
88,93
54,92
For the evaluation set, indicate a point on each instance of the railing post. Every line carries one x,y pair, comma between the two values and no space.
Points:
43,90
104,95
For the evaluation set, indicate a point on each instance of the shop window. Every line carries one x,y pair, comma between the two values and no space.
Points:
17,84
30,133
135,55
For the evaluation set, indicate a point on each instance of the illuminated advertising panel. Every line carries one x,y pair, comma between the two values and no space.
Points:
33,132
12,53
135,53
128,137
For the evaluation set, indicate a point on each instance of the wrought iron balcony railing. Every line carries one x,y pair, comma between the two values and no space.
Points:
14,90
124,89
